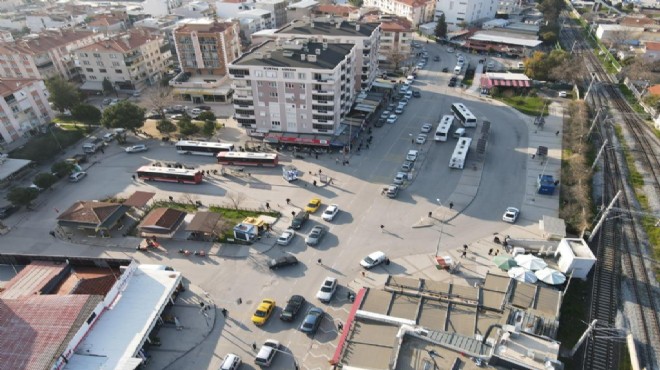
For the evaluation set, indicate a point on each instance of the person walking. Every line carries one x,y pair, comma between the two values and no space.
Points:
490,252
382,228
224,312
557,133
430,214
497,252
319,261
267,205
340,326
293,213
464,255
133,177
254,346
451,205
314,183
288,201
465,247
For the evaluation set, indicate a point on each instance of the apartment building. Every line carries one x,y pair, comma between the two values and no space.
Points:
276,7
396,34
131,61
42,56
365,36
458,12
416,11
205,47
264,20
294,86
24,108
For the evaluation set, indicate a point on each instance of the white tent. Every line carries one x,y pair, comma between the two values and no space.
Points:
530,262
550,276
523,275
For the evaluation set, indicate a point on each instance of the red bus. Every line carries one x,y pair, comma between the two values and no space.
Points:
169,174
247,159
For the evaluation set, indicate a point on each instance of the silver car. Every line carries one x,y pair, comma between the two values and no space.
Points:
400,178
315,236
407,166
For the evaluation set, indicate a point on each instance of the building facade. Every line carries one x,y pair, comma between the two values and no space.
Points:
45,55
264,20
131,61
365,36
466,12
416,11
276,7
396,36
295,86
24,108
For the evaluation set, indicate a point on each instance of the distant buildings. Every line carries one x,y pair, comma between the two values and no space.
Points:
131,61
396,35
297,86
416,11
277,9
23,107
466,11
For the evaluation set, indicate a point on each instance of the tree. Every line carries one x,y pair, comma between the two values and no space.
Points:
396,58
45,180
124,115
236,198
441,27
206,116
108,87
209,128
87,114
165,126
61,168
22,196
157,99
570,70
539,65
186,127
63,94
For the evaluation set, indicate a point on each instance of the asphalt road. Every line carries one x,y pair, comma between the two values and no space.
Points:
352,235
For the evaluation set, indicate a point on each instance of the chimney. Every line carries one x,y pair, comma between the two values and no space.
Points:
317,51
357,27
311,24
311,58
325,46
339,24
302,57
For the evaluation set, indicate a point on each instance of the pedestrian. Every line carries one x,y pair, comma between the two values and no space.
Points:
52,233
102,151
497,252
343,163
490,252
430,214
316,155
364,274
310,172
314,182
319,261
288,201
320,171
412,141
465,247
382,228
556,182
464,255
340,326
171,198
224,312
330,182
254,346
533,156
133,177
347,162
451,205
367,146
293,213
557,133
387,261
267,205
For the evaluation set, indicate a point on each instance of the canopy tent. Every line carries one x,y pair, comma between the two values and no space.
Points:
530,262
504,262
523,275
550,276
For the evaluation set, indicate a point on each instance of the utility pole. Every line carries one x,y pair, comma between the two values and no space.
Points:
603,216
593,78
600,152
593,123
582,338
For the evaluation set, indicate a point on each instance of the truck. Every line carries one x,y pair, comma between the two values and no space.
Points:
290,173
93,145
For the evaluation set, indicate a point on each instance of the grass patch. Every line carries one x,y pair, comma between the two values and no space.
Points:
44,147
469,78
232,217
632,99
573,315
185,207
529,105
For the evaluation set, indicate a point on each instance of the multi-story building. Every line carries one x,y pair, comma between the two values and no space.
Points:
23,108
205,47
45,55
264,19
131,61
365,36
296,86
416,11
276,7
466,11
396,34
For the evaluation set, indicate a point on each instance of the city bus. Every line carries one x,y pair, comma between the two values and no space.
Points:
203,147
169,174
248,159
464,115
460,153
442,132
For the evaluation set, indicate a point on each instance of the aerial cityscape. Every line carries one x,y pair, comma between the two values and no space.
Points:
329,184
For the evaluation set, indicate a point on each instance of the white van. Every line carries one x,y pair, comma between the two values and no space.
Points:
457,70
459,133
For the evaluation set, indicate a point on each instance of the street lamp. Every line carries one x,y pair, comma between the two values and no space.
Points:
442,226
433,354
295,363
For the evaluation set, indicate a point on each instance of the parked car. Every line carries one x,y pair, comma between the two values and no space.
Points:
436,58
327,289
511,215
421,138
299,220
407,166
203,107
372,260
445,69
416,94
315,235
412,155
7,211
267,353
392,191
312,320
231,362
283,261
399,110
562,94
77,176
263,311
330,212
400,178
286,237
385,114
427,127
392,118
136,148
313,205
293,306
109,137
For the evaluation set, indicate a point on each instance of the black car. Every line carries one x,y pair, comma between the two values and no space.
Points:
293,306
299,220
283,261
445,69
452,83
416,94
203,107
6,211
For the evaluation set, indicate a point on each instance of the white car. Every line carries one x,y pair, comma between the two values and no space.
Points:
372,260
450,50
231,362
421,138
286,237
412,155
77,176
410,78
399,110
136,148
400,178
392,118
385,114
562,94
327,290
427,127
511,215
109,137
330,212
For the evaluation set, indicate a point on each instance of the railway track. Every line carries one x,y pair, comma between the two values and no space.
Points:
619,247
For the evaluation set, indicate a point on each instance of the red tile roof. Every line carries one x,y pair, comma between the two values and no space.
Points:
122,43
654,90
12,85
36,330
105,20
163,218
32,279
652,46
340,10
139,199
89,212
47,40
636,21
397,24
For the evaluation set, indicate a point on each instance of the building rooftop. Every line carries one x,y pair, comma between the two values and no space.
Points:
302,4
203,25
293,55
122,43
162,218
510,39
32,279
254,12
338,10
89,212
44,41
118,334
9,166
329,26
10,86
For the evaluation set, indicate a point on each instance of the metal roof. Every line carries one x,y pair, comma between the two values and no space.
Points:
506,40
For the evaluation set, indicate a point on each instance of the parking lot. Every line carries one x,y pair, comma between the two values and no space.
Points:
355,232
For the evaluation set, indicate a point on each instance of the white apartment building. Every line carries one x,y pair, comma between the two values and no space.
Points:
365,36
44,55
466,11
159,8
416,11
296,86
131,61
23,107
276,7
264,19
396,34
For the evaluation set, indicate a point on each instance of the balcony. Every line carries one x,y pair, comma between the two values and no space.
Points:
323,122
133,58
242,103
245,116
323,92
184,79
327,112
323,102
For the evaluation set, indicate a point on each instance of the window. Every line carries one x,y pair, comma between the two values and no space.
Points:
259,73
302,76
271,74
273,95
103,70
275,123
288,75
113,56
119,71
89,69
100,64
97,55
259,83
289,85
83,55
115,64
92,77
272,84
86,62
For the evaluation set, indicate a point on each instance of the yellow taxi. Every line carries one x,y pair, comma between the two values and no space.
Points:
313,205
263,312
